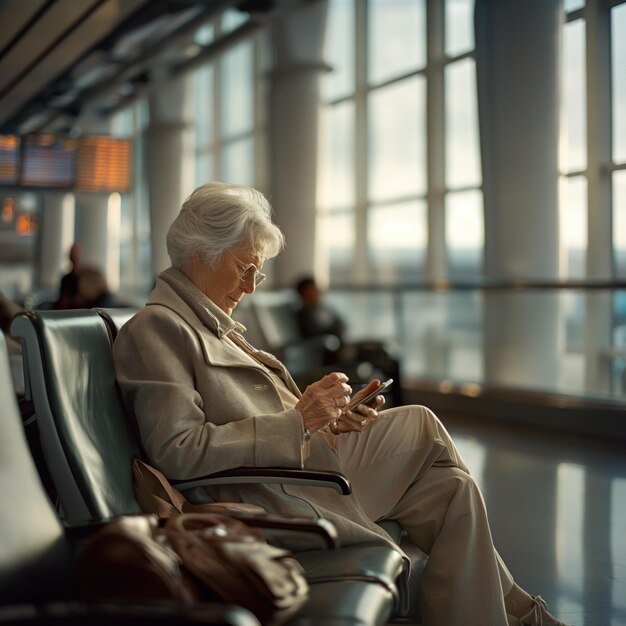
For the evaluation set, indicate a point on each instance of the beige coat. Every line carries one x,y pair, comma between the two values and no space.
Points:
202,406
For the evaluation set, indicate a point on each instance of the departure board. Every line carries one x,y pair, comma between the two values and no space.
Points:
48,161
103,164
9,159
90,163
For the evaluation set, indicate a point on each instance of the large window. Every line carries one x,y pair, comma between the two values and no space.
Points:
400,129
593,128
228,137
573,151
228,112
618,107
135,247
401,198
593,182
464,223
399,158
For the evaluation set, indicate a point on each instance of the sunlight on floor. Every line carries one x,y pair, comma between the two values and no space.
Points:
557,508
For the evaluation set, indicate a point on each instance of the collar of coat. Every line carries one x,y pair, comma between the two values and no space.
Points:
205,309
172,287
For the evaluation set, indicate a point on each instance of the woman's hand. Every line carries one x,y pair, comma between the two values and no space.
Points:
324,400
359,418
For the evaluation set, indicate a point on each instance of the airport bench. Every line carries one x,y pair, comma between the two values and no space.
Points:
89,445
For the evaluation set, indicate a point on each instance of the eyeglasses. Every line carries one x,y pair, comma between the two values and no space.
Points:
250,270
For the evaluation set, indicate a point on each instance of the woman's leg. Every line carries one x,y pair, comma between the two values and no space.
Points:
406,467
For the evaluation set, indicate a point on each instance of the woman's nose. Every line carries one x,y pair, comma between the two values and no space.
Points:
249,284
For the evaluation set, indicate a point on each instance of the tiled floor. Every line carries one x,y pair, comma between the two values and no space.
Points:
557,507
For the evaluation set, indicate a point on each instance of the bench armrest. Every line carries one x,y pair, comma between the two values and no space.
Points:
248,475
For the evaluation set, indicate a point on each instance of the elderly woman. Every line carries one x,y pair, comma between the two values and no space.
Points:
205,400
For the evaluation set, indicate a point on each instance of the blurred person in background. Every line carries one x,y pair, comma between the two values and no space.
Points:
8,309
68,290
92,290
316,318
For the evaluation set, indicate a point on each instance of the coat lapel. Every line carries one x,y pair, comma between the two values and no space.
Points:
176,292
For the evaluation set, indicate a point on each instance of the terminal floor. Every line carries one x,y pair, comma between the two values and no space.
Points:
557,507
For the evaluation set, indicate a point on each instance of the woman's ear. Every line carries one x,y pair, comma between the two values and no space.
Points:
195,267
198,264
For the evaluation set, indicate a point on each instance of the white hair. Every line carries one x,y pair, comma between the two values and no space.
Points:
218,217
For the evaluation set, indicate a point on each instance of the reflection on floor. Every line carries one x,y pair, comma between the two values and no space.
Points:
557,507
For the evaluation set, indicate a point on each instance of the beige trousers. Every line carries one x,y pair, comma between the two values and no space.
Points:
406,467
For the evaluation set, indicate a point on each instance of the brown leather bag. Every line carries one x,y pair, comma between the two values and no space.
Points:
129,561
235,563
196,557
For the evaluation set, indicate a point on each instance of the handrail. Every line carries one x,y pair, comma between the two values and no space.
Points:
484,285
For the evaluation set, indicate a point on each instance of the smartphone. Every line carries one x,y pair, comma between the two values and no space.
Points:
384,386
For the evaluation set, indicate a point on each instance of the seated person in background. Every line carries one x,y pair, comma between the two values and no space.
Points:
93,290
8,309
205,400
316,318
68,291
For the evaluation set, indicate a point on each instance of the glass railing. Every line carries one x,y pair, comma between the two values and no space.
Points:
558,338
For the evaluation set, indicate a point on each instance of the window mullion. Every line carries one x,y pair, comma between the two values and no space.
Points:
436,266
360,268
598,61
260,179
599,211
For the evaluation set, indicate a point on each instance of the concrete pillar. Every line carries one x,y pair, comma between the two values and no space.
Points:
297,41
57,236
169,159
517,63
98,232
98,217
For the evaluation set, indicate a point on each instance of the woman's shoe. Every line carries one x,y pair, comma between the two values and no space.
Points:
538,615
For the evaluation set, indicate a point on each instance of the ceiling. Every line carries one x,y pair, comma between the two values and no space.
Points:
65,59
